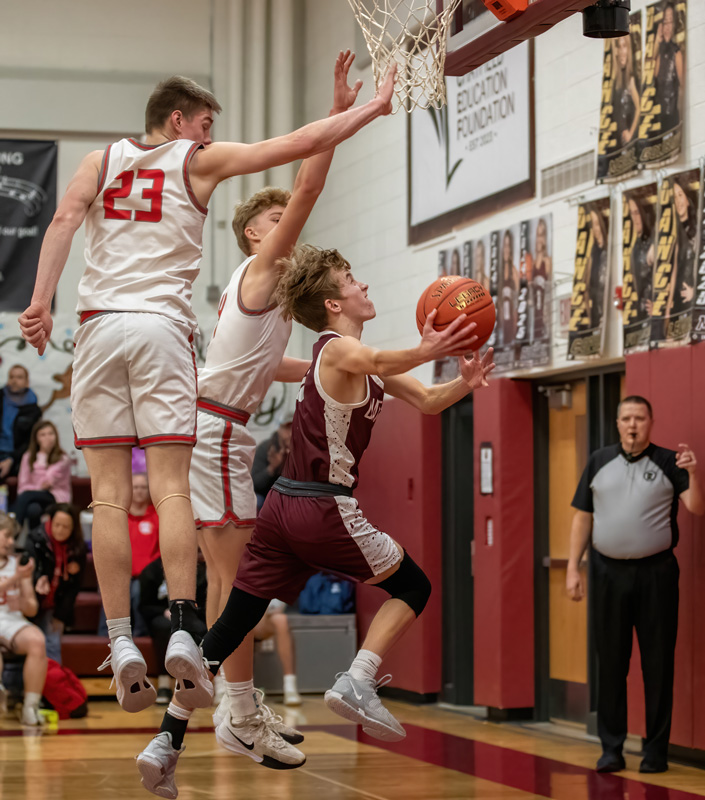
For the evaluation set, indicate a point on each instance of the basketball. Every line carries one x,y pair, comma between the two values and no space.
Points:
453,295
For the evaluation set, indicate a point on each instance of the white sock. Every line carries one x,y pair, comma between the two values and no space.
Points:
365,665
242,698
290,684
163,682
119,627
179,713
31,699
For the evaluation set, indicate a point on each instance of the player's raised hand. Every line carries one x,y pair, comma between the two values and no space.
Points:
344,95
456,339
386,89
36,325
474,370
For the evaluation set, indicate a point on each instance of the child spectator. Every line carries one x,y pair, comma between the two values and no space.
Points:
45,475
17,634
154,608
59,553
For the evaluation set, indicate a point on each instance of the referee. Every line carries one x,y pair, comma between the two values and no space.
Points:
628,499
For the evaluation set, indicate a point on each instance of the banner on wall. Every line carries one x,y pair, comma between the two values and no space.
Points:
535,294
676,255
27,205
662,97
590,281
639,229
698,332
620,105
479,145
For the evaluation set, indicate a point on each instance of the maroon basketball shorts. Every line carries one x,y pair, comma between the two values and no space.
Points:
295,537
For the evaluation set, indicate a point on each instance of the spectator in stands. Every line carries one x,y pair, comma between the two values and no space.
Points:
18,414
275,623
154,608
59,553
143,526
269,460
45,475
17,634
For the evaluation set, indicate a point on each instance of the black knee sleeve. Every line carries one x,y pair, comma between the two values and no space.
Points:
240,615
410,584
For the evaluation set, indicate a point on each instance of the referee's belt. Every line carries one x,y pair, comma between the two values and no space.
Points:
220,410
310,488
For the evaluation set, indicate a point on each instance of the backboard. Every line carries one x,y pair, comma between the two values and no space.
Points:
476,35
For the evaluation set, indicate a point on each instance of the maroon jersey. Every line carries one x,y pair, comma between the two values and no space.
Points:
328,438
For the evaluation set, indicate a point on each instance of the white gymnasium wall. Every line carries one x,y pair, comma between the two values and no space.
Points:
363,211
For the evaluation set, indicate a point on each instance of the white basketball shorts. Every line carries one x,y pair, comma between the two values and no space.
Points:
134,380
11,623
221,484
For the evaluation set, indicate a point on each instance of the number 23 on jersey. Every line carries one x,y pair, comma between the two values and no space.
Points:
150,182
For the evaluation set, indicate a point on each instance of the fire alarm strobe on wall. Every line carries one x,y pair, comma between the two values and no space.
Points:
506,9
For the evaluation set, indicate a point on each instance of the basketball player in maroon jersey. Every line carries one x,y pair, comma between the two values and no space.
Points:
134,380
310,521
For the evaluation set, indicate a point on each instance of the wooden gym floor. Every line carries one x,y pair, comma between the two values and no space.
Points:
446,756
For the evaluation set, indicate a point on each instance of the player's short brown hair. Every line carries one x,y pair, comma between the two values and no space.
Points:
247,210
177,94
308,280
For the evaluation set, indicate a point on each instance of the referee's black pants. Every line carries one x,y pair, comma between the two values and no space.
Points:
639,594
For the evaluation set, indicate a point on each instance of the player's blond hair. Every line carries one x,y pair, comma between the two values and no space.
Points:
309,278
177,94
249,209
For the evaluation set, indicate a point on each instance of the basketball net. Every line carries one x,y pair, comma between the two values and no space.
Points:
410,33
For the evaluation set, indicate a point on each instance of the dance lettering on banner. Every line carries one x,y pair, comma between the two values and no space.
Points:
639,227
662,97
620,106
677,246
586,331
27,205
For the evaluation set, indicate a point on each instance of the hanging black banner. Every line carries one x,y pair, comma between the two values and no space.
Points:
27,205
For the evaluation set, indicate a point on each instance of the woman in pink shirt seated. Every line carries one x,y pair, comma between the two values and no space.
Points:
44,477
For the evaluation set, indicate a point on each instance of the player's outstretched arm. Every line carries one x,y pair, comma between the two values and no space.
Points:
292,370
36,322
434,399
348,354
264,271
223,160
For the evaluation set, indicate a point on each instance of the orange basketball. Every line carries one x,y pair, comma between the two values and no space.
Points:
453,295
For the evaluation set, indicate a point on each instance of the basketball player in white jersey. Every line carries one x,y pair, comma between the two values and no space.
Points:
310,521
134,379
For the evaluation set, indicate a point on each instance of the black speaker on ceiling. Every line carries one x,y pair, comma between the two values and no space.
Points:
606,19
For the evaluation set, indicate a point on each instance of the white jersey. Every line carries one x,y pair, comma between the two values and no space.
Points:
144,232
245,351
6,615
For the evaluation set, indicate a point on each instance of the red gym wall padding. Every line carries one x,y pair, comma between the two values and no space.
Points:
504,568
674,382
400,493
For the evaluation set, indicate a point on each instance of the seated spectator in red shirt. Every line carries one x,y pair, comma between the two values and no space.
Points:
59,553
143,524
45,475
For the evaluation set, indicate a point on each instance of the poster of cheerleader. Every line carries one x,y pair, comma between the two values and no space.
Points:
639,227
504,288
621,103
590,281
698,332
662,106
677,245
535,281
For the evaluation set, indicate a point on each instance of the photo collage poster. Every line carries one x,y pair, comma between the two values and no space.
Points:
639,231
620,105
663,93
676,265
515,264
586,330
